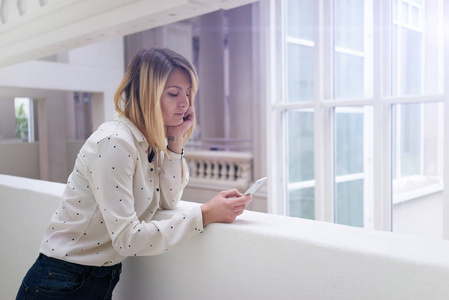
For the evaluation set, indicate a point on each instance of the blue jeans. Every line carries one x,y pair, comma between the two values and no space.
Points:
51,278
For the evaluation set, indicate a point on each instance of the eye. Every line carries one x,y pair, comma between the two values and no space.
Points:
173,95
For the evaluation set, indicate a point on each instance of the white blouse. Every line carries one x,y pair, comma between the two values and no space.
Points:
112,190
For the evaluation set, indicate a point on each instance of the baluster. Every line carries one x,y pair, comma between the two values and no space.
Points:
208,169
232,166
239,172
226,167
212,169
243,171
200,168
216,169
222,174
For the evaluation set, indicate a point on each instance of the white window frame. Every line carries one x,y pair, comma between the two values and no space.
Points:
381,103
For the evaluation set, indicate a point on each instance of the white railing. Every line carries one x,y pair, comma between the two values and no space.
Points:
220,168
260,256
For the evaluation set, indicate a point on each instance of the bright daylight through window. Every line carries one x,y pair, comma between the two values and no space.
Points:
343,90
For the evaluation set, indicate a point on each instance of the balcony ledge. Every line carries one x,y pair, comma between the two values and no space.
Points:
259,256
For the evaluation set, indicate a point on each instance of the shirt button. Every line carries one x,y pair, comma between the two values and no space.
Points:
157,189
151,169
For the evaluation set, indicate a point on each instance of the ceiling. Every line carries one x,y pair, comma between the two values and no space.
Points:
31,29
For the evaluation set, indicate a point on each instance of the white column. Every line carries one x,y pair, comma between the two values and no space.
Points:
211,92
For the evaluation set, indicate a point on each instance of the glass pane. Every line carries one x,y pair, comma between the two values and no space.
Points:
415,16
300,73
407,139
404,12
348,76
349,24
418,169
348,140
23,122
353,166
300,19
349,202
395,10
300,162
417,48
353,52
407,61
302,203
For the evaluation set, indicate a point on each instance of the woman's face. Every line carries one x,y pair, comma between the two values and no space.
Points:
175,97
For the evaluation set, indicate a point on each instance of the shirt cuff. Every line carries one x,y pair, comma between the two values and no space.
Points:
175,155
199,219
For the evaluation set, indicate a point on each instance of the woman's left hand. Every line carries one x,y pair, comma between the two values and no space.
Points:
175,134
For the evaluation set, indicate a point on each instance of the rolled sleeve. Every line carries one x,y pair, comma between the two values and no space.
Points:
174,177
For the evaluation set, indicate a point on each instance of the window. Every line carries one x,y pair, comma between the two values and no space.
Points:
83,115
24,113
360,114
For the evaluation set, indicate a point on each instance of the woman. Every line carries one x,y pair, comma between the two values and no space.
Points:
126,170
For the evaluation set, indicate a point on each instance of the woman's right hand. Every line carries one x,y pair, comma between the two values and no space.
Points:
224,207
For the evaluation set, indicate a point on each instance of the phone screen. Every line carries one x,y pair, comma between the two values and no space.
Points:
255,186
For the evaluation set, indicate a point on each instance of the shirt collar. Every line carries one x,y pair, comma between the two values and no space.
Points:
138,135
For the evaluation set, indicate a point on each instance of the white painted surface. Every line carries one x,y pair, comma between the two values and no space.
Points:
60,25
260,256
20,159
96,68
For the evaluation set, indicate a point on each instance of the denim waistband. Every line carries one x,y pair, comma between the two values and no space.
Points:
79,267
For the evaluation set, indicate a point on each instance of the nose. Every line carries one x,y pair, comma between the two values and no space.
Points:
184,101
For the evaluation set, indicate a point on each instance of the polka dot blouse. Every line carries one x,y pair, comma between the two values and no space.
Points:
106,212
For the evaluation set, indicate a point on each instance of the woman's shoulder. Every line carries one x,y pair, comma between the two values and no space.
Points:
114,130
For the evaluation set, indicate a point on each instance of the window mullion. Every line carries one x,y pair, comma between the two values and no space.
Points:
271,51
323,121
382,116
446,123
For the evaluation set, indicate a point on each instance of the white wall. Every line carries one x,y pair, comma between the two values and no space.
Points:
96,68
260,256
20,159
7,120
27,206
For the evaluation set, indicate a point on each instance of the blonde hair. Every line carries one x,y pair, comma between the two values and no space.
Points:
138,94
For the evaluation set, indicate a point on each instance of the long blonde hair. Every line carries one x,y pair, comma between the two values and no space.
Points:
138,94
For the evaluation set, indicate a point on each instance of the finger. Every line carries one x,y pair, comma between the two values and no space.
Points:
190,113
242,201
238,213
231,193
190,110
188,120
240,207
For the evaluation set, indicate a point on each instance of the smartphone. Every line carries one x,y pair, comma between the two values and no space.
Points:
255,186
